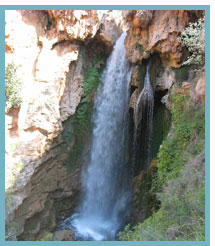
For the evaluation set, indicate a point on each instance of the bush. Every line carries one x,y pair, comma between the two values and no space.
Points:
181,216
47,237
13,87
11,231
185,137
193,37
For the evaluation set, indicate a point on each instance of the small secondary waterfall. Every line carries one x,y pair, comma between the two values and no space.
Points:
106,198
144,115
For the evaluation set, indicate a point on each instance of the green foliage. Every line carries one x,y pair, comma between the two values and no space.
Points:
81,121
91,81
10,231
92,75
183,201
13,87
188,127
181,74
47,237
18,167
76,153
8,197
179,183
193,37
134,35
181,216
140,48
161,127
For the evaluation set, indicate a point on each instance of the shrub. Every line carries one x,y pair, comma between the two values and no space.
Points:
13,87
181,216
185,137
193,37
10,231
47,237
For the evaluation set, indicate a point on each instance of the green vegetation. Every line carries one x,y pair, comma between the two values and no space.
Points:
193,37
8,198
186,140
181,74
80,123
161,127
17,167
10,231
47,237
140,48
91,80
13,87
179,181
134,35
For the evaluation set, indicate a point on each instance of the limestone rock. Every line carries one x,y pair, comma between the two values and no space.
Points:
11,123
74,24
73,90
200,88
133,100
112,25
64,235
85,24
164,78
136,81
157,31
197,91
185,88
165,101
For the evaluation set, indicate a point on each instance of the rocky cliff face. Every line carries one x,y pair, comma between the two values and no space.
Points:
46,45
156,31
51,50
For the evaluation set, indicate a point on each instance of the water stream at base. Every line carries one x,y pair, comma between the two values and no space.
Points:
107,192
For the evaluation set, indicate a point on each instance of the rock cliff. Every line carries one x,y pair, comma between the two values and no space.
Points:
52,50
156,31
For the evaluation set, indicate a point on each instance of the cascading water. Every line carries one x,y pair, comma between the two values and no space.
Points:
106,196
144,115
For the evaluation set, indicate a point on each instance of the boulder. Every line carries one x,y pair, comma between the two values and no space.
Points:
64,235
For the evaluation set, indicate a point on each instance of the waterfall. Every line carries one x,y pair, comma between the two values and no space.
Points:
106,197
144,115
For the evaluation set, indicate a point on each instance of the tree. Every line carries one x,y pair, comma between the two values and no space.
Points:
13,87
193,37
